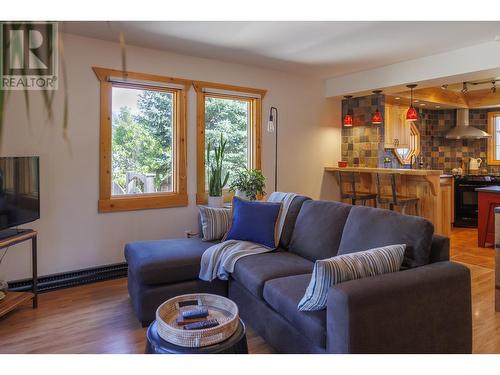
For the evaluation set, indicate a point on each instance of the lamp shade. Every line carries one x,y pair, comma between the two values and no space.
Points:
270,126
348,120
411,114
377,118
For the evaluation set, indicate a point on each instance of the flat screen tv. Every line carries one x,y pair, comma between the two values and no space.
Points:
19,191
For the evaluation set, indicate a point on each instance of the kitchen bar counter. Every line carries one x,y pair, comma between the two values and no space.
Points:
432,187
414,172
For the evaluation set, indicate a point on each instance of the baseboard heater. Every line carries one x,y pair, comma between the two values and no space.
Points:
72,278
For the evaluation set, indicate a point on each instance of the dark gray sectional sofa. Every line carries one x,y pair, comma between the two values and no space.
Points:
424,308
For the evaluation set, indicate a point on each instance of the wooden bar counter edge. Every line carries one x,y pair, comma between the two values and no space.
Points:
434,189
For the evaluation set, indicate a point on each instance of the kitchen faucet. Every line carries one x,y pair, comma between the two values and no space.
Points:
419,161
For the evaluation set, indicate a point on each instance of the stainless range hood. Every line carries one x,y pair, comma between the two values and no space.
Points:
463,130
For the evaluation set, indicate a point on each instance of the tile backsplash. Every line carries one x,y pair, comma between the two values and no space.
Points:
446,154
362,144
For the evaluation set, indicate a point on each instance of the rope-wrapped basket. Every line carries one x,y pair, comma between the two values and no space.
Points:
220,308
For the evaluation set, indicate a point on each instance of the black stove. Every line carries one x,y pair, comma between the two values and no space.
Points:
466,201
477,178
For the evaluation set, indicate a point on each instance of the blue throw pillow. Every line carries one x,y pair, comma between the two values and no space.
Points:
255,222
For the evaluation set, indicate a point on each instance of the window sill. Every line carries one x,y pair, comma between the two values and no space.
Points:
203,198
143,202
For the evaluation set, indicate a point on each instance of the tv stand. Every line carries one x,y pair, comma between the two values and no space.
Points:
14,299
6,233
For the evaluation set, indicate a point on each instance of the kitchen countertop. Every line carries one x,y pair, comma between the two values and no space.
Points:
414,172
434,192
489,189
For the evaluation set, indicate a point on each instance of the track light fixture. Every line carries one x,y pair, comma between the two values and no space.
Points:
494,87
464,88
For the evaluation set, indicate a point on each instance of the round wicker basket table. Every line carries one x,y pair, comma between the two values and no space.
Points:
236,344
167,336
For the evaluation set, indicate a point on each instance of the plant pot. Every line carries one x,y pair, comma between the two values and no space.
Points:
241,194
216,202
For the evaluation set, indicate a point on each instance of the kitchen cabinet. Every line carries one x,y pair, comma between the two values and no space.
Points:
402,136
447,203
396,128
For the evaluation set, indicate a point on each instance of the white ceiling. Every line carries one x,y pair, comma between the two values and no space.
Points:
320,49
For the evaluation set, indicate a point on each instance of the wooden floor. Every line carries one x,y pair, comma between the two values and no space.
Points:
98,318
464,249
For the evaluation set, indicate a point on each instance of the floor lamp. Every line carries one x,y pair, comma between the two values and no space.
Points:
272,127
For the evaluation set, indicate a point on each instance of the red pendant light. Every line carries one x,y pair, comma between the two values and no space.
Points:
377,116
348,116
348,120
411,114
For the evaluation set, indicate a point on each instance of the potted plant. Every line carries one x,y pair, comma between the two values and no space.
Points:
216,179
248,183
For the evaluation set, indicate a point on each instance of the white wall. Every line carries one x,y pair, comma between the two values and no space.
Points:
72,234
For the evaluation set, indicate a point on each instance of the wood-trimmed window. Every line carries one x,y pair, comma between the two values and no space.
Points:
247,99
494,140
142,141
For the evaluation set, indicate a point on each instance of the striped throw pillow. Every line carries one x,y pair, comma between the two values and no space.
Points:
215,222
331,271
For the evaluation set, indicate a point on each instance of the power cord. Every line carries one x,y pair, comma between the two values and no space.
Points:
7,249
3,283
4,254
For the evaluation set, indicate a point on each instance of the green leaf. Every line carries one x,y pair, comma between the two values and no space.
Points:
65,82
225,180
27,103
2,103
215,168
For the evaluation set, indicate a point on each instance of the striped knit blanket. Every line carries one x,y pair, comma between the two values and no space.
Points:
218,261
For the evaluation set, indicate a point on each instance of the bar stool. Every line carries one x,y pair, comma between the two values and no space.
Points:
354,195
394,199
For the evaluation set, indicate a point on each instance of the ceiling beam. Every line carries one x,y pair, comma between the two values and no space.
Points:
471,99
465,64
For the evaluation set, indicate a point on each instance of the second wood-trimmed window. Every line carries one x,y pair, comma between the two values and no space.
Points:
236,113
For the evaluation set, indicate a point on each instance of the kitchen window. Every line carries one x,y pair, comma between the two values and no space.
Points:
142,141
494,140
236,112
